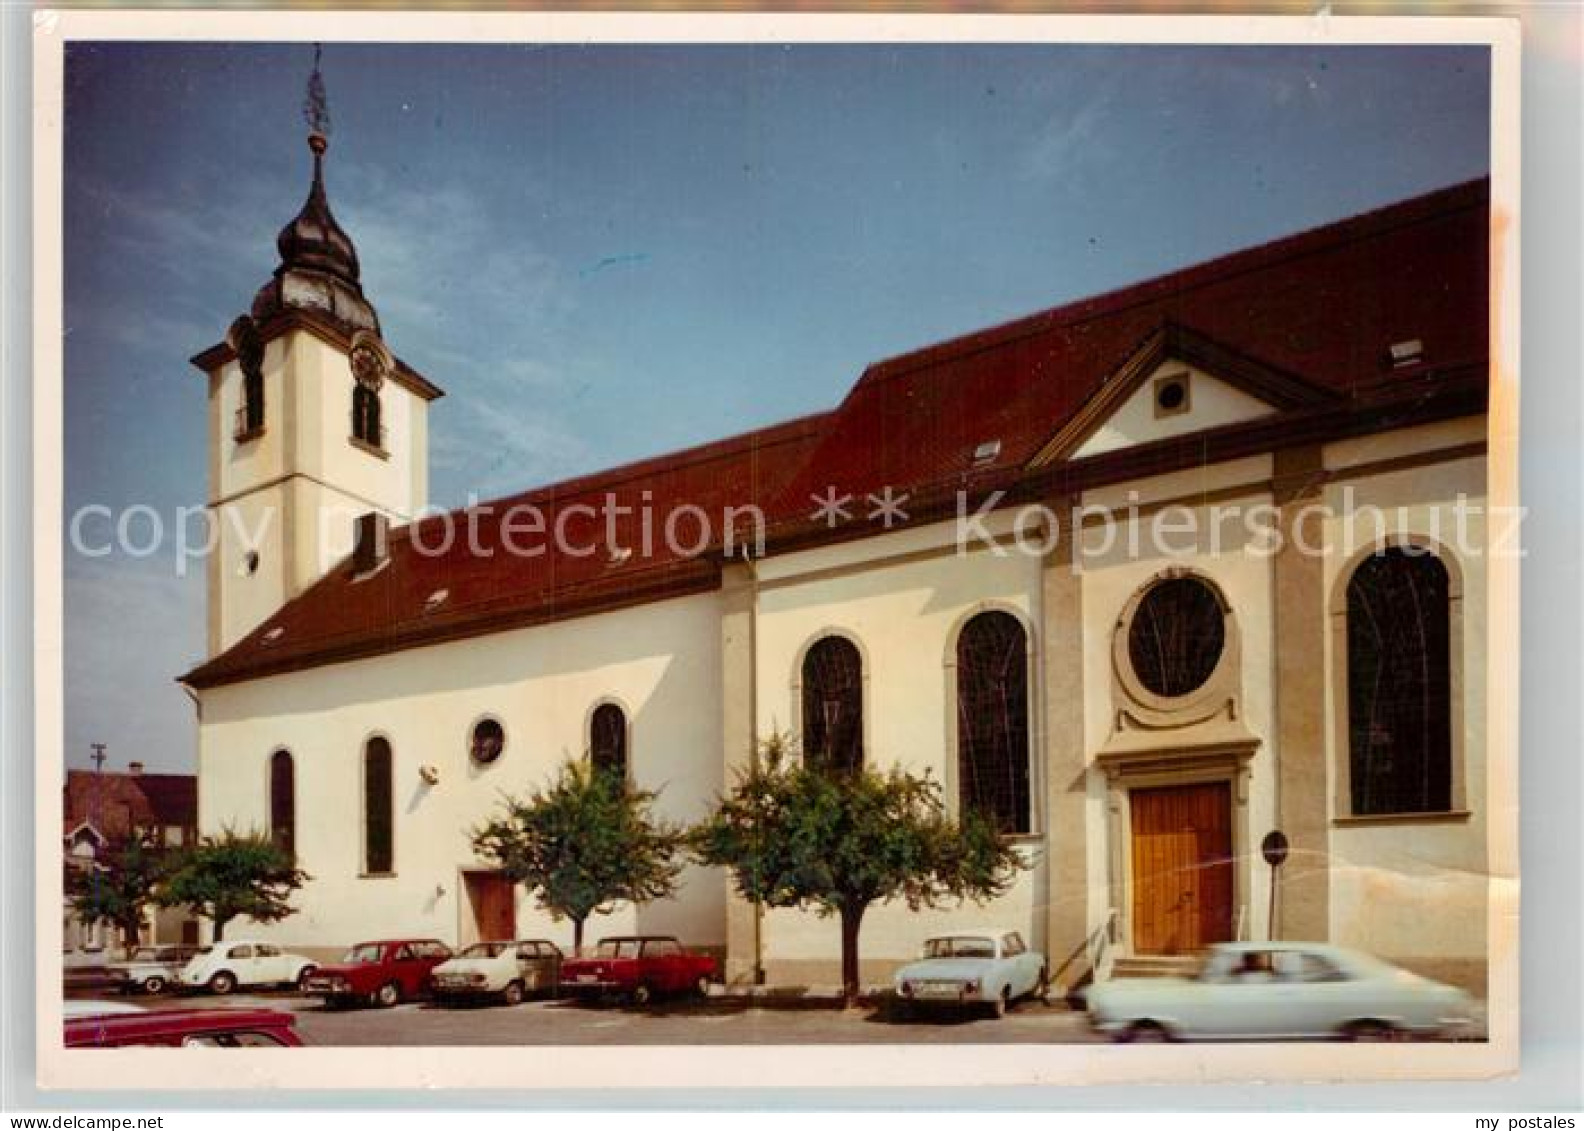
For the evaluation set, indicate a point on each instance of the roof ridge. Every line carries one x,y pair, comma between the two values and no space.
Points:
692,456
1359,226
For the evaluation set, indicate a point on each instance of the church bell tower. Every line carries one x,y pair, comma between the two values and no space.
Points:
313,422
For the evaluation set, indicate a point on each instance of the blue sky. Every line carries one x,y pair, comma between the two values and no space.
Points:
606,252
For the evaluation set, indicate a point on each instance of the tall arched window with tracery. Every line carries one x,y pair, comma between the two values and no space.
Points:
993,721
283,802
379,857
832,680
1399,684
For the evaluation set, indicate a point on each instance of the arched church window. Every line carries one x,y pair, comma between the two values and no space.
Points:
283,802
366,424
378,808
833,705
1177,636
1399,684
608,740
993,720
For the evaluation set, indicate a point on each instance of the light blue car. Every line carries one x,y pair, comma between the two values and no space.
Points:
986,967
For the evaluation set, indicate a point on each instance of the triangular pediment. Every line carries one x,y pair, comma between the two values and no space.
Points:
1176,384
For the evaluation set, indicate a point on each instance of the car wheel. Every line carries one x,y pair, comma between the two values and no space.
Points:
222,983
701,987
1369,1030
642,994
302,978
387,995
154,985
1003,1000
1145,1033
513,994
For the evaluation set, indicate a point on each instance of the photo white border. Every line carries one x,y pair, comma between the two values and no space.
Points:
824,1066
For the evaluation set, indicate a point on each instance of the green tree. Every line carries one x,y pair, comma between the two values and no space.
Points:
121,886
837,843
233,876
584,844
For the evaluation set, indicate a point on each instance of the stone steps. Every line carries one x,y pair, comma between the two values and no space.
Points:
1154,966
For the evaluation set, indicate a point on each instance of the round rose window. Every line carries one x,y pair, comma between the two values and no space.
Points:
488,740
1177,636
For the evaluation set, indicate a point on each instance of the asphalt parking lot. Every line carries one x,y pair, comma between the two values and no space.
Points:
718,1020
715,1021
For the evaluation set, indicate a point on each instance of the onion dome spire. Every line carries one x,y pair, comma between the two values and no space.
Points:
319,268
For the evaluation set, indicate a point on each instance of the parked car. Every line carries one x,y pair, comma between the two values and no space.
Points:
83,1007
508,970
380,973
224,966
213,1028
638,967
150,969
989,967
1280,990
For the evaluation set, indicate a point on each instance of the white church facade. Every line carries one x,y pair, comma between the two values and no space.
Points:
1143,578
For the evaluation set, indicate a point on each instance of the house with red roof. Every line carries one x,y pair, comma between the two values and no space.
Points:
1152,581
101,809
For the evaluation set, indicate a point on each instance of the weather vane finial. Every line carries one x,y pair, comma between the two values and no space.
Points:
316,107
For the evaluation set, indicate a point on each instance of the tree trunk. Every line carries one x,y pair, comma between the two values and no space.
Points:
129,934
577,936
219,928
851,920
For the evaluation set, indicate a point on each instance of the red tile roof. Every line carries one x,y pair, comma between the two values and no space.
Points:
1317,311
114,804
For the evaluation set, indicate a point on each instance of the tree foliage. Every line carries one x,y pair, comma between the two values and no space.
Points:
121,886
234,876
583,844
838,842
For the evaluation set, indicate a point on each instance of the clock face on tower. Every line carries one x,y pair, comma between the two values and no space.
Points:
371,361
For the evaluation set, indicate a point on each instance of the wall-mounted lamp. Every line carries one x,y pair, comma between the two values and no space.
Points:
430,773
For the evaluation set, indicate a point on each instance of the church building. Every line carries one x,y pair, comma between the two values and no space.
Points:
1144,578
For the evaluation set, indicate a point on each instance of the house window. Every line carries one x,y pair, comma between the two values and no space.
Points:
282,803
487,741
253,400
993,720
1177,636
1399,684
378,815
608,740
833,705
366,424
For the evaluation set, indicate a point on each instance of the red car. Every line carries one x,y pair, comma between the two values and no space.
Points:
638,967
213,1028
381,973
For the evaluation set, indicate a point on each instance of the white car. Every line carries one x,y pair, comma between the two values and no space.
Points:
986,967
226,965
150,969
508,970
1280,990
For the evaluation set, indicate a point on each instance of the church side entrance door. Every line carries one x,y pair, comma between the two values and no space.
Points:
492,901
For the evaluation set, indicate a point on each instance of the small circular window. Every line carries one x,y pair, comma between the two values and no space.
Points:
1171,395
487,741
1177,636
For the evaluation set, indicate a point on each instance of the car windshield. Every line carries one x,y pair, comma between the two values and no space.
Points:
617,948
960,947
366,952
484,950
145,954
